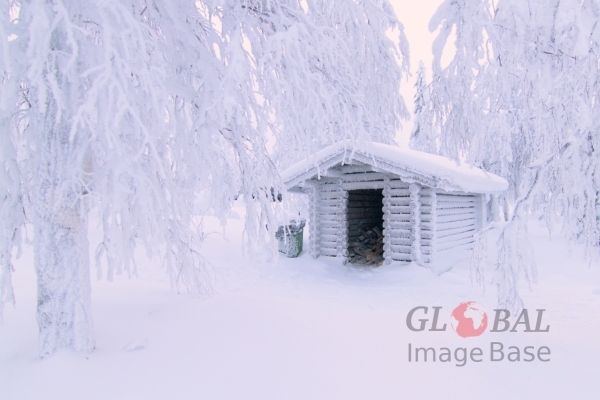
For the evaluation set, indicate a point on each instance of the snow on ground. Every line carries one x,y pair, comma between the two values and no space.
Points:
306,329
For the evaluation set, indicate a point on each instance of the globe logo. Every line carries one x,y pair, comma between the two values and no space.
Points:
469,320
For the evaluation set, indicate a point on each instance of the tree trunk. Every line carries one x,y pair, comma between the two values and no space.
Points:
598,216
63,272
61,245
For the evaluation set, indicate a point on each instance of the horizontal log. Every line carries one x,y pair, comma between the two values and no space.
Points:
450,197
442,242
399,225
366,194
329,237
328,208
428,234
327,184
397,184
332,202
427,250
399,209
332,195
427,218
332,231
326,178
397,201
466,213
455,231
426,201
362,185
425,209
397,234
398,192
441,245
400,257
404,225
425,242
454,206
332,216
338,218
442,226
456,210
331,225
463,247
365,177
456,217
426,226
400,241
451,241
397,217
329,252
400,249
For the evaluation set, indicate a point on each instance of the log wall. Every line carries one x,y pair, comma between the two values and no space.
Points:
428,201
397,227
419,223
457,219
331,214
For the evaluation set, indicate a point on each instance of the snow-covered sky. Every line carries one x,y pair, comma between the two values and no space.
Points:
415,16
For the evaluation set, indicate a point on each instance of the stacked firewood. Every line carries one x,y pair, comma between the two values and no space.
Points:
367,247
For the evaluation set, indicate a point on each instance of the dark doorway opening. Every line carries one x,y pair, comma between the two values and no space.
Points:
365,227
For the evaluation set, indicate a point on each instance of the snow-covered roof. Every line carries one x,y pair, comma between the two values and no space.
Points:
411,165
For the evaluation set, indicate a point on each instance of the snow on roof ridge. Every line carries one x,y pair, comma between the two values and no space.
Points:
446,172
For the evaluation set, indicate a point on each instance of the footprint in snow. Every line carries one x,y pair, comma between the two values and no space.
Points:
597,291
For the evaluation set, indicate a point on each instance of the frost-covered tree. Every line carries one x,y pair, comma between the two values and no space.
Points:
454,109
532,121
422,137
11,210
126,109
96,128
326,69
135,109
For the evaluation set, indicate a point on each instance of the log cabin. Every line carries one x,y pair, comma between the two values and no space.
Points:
422,207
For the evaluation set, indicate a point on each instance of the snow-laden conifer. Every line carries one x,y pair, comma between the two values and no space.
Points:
422,137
